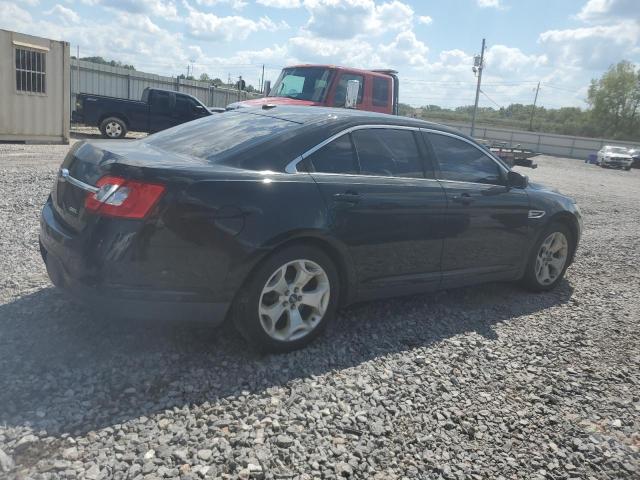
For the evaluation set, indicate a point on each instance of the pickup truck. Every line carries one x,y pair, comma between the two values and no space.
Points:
326,86
156,110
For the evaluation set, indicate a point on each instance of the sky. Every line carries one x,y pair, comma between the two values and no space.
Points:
431,43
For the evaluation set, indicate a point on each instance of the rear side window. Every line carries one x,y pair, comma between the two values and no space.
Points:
218,136
462,162
380,92
341,90
388,153
161,102
335,157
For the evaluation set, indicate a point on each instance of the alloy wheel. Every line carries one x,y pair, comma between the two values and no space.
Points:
294,300
551,258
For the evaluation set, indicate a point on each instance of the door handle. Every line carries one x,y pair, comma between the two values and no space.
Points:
347,197
463,198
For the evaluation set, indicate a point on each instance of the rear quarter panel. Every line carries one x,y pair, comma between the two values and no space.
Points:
233,222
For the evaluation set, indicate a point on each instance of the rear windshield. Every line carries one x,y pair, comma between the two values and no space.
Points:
219,135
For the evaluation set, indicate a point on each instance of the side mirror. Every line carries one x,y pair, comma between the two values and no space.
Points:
517,180
351,98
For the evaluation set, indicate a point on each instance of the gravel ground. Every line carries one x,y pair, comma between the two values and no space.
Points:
484,382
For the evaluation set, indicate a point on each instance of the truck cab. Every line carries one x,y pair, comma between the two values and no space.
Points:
326,86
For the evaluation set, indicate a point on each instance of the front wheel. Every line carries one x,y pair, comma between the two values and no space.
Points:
288,301
549,258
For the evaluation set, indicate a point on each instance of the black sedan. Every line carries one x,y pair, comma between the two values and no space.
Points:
275,217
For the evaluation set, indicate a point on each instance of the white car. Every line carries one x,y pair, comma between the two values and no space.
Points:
610,156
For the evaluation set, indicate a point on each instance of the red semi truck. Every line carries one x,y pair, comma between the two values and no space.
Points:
326,86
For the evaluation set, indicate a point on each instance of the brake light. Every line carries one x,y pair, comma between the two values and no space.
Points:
119,197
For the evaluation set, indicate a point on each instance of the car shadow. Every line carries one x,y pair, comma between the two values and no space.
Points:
68,370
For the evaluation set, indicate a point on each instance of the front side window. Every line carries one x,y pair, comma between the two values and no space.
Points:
462,162
185,106
302,83
31,71
388,152
341,89
380,92
335,157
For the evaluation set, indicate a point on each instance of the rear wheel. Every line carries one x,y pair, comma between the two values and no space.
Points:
549,259
288,301
113,127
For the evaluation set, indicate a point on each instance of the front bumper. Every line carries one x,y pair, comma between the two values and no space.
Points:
64,255
617,163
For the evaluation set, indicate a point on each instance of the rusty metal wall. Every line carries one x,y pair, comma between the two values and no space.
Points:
30,116
87,77
546,143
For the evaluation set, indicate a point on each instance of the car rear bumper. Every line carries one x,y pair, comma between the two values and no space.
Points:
68,271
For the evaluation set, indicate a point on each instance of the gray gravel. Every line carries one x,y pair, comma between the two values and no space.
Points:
482,382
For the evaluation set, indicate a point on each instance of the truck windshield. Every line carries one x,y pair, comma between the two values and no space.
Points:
303,83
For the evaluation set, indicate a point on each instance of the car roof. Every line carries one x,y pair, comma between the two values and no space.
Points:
337,117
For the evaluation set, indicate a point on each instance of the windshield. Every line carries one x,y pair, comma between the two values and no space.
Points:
303,83
617,150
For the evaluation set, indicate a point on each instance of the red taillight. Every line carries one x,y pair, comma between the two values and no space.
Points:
118,197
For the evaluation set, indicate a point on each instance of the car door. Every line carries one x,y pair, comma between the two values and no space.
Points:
383,208
161,106
487,222
187,109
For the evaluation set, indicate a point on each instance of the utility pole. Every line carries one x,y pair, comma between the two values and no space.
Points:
535,100
262,80
477,67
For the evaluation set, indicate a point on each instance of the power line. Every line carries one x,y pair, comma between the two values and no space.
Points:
490,99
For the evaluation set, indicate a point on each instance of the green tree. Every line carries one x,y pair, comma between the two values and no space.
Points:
615,102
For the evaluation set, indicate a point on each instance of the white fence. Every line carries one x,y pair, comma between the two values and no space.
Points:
87,77
547,143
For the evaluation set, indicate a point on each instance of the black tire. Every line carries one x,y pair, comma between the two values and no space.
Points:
530,280
245,310
113,128
627,168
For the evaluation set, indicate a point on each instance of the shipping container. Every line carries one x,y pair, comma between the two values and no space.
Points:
34,89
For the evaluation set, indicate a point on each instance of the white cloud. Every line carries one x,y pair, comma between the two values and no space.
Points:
160,8
425,19
212,27
344,19
138,21
509,60
490,3
602,10
280,3
11,14
405,49
594,47
235,4
66,14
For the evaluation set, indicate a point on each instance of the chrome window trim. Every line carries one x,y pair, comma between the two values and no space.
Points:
488,153
291,166
64,176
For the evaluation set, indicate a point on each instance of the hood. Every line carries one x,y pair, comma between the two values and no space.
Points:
543,187
258,102
618,155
